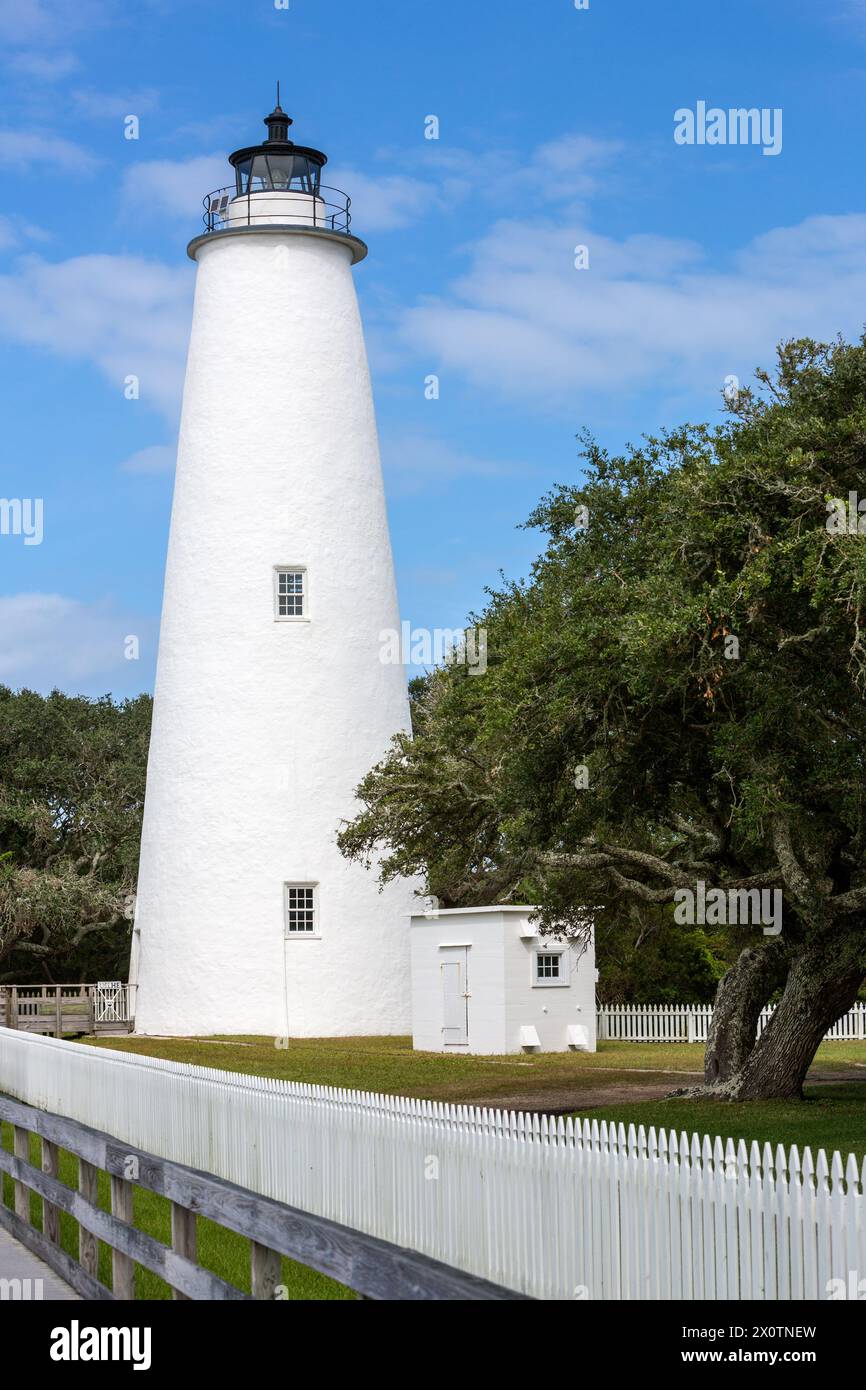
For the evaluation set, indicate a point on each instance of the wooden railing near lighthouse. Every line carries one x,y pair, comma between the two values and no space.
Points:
372,1268
59,1009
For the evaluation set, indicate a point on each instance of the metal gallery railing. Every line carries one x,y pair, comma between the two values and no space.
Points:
329,209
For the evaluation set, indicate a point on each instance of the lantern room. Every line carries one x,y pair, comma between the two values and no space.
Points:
278,165
279,183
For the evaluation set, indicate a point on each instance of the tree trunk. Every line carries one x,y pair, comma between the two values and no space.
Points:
823,978
822,985
743,991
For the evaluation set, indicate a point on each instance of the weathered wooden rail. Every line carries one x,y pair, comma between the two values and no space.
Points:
372,1268
59,1009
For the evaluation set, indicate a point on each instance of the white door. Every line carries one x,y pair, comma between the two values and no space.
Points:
455,998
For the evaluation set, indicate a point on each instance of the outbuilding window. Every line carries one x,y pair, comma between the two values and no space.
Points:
550,968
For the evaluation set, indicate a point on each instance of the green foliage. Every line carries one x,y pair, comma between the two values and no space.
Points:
615,655
72,774
657,964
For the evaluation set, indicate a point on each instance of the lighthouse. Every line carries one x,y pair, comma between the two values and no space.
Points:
272,700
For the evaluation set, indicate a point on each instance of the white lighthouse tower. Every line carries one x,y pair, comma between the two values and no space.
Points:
272,700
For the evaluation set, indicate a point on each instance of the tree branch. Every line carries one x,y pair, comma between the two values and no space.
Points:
796,880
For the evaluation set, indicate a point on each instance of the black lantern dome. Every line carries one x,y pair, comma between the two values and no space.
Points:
278,164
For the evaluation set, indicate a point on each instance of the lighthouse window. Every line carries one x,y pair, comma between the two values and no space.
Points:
300,909
261,179
243,174
291,597
278,172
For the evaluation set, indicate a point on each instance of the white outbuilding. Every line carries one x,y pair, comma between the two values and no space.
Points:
485,981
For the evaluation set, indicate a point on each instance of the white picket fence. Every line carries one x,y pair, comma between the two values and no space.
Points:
691,1023
548,1207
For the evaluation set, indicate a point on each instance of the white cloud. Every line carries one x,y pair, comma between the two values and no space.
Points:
568,167
415,461
445,177
156,458
46,21
8,235
127,315
853,10
808,250
24,20
50,640
383,203
30,153
44,67
650,311
442,177
109,106
161,187
14,231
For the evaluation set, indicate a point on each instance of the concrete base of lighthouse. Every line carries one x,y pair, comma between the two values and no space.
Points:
263,727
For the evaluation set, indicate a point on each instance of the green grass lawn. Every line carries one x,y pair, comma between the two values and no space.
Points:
390,1065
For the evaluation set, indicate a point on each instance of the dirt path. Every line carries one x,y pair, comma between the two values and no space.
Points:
570,1100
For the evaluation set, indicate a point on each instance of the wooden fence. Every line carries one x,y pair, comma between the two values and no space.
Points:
691,1023
370,1267
550,1208
59,1009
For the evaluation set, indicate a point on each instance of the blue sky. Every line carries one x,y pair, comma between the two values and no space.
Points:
556,130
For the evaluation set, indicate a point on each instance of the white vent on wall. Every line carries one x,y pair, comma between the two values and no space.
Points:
577,1036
